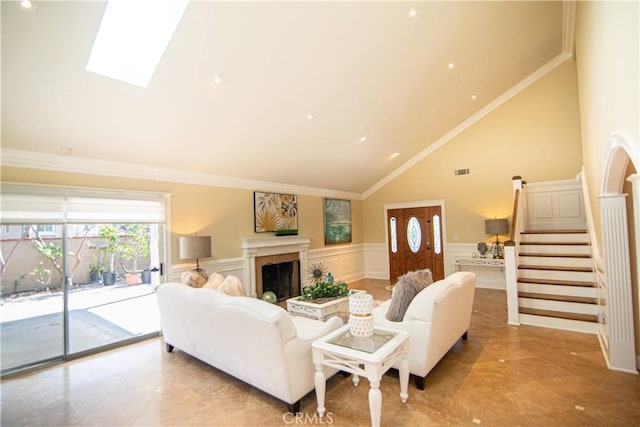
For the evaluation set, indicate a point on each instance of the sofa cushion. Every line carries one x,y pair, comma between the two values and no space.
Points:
193,278
231,285
214,281
405,289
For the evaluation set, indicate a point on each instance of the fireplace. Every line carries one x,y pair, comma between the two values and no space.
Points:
261,251
282,276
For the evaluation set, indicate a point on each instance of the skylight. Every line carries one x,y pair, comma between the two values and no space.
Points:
132,38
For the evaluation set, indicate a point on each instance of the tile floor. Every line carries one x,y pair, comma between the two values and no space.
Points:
500,376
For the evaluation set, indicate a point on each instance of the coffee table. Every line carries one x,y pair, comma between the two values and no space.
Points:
367,357
321,310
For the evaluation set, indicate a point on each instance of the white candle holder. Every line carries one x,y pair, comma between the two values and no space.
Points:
360,319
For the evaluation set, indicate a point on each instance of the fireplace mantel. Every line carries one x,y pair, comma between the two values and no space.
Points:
253,247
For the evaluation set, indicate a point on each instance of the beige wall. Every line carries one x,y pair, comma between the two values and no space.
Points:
535,134
224,213
607,58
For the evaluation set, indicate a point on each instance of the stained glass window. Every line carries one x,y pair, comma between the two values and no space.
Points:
414,234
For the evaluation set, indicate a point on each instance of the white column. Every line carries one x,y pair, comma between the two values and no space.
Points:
615,254
250,272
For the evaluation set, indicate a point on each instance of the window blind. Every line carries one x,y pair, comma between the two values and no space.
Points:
29,203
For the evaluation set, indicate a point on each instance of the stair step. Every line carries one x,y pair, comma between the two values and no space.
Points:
556,282
563,298
554,255
554,232
555,243
555,268
560,314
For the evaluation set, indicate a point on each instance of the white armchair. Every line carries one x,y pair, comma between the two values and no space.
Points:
436,319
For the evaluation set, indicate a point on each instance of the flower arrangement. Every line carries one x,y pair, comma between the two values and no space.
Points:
327,288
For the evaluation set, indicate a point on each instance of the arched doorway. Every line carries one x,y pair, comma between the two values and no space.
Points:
619,215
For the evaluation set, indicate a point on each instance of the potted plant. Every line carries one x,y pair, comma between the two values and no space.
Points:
133,248
327,288
109,234
95,273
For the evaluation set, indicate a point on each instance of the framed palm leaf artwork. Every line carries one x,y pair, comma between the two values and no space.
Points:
337,221
274,211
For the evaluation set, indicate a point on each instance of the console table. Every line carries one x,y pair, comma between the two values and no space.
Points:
489,271
481,262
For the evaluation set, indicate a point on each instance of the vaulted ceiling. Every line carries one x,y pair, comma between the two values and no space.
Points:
327,95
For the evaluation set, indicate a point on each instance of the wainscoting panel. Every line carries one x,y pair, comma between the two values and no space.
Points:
376,261
345,262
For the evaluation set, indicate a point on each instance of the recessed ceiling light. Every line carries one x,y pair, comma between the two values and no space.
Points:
27,4
473,97
363,138
132,38
412,13
451,65
309,116
394,155
217,80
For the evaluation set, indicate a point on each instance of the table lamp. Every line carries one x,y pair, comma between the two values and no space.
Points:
195,247
497,226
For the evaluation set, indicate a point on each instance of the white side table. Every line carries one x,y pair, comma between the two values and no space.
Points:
369,357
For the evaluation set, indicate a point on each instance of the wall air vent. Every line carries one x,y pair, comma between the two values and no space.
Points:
462,171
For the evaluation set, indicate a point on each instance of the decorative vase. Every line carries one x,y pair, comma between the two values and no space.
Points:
360,319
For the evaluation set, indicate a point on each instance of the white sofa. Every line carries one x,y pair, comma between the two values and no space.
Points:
438,316
252,340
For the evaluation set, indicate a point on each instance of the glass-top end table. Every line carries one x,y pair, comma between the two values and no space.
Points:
369,357
366,344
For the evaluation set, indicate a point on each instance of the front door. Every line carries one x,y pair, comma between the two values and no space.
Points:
415,241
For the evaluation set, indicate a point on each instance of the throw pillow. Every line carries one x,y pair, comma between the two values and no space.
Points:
195,279
215,280
406,288
232,286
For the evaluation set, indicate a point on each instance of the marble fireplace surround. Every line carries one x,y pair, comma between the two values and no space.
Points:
255,247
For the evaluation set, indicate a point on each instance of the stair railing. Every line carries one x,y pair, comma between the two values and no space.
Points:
511,249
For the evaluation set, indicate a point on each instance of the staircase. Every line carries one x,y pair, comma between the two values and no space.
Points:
555,280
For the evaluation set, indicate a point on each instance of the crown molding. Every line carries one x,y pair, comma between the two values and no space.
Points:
523,84
82,165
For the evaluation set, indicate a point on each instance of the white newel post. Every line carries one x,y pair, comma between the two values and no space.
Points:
615,252
511,277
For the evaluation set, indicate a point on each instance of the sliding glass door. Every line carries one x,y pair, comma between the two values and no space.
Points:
32,311
111,297
75,285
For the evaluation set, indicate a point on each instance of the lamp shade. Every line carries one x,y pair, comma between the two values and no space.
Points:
496,226
194,247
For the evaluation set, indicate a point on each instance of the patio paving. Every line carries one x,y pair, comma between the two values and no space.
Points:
31,327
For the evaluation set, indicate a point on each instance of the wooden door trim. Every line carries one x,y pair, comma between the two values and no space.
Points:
417,204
